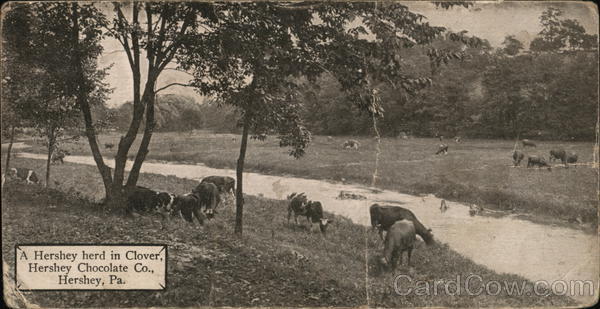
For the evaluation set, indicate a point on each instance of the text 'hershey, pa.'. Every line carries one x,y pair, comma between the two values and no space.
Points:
83,267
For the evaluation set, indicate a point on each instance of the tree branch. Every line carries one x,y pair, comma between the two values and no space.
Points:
172,84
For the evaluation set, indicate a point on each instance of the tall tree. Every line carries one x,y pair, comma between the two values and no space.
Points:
35,35
254,58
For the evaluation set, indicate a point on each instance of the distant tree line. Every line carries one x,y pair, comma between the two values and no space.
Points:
548,92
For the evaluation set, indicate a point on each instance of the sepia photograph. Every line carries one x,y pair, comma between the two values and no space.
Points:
308,154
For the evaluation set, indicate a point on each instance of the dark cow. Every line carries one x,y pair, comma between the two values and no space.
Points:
383,217
537,161
572,158
442,148
401,237
109,145
517,157
145,200
58,156
558,154
225,184
189,206
313,210
528,143
208,195
25,174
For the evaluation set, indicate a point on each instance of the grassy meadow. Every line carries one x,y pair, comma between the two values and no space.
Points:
474,171
272,265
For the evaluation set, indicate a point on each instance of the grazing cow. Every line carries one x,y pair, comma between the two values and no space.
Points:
109,145
383,217
401,237
313,210
537,161
24,174
189,206
225,184
558,154
58,156
208,195
142,199
475,210
297,206
517,157
528,143
442,148
572,157
351,144
443,206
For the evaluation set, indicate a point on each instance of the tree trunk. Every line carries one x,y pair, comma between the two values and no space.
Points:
138,114
10,144
149,99
84,106
50,144
239,194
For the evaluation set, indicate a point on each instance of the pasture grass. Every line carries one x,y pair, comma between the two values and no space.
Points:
274,264
474,171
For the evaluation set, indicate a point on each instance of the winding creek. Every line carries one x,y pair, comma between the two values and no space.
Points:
505,244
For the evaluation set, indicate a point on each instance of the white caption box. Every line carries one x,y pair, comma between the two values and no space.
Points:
89,267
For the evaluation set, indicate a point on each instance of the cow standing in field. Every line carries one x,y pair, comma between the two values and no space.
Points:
145,200
401,237
58,156
225,184
208,196
189,206
558,154
300,206
351,144
383,217
442,148
517,157
528,143
24,174
533,161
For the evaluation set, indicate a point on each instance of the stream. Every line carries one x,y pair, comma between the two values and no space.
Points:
505,244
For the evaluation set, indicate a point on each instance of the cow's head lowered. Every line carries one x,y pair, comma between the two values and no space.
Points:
165,203
315,211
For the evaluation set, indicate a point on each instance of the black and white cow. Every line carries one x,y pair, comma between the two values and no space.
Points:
24,174
144,200
351,144
313,210
442,148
